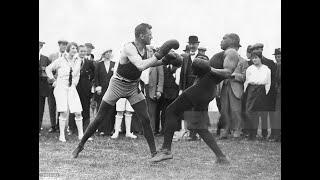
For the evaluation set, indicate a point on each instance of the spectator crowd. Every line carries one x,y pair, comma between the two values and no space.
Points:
250,99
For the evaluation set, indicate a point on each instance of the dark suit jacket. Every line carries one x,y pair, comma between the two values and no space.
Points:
43,83
271,96
187,77
170,88
102,77
86,77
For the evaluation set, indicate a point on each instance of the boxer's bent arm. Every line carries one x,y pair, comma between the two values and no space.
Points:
136,60
157,63
229,65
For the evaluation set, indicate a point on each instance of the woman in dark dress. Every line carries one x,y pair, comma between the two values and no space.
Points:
256,86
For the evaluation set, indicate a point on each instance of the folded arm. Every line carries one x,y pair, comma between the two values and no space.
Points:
229,64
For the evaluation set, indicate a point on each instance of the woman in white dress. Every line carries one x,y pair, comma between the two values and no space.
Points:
65,92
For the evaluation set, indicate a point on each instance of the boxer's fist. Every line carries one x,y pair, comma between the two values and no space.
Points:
172,58
200,66
166,47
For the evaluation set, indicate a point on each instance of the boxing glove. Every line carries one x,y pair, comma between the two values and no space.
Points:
200,66
166,47
172,58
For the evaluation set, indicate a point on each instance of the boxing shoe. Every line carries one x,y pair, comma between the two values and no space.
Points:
222,160
162,155
76,152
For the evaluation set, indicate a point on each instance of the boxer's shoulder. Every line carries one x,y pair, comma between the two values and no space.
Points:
231,52
129,49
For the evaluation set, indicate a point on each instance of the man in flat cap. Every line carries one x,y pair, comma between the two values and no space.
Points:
271,96
51,99
275,121
90,47
202,52
43,83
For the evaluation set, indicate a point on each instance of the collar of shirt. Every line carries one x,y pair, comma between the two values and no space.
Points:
61,54
193,55
107,65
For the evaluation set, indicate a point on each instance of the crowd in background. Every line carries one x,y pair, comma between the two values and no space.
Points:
252,95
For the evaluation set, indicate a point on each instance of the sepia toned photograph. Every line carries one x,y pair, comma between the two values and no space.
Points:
160,90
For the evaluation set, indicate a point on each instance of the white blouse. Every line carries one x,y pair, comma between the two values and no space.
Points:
258,76
63,65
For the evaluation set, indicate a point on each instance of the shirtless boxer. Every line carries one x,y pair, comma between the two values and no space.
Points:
209,74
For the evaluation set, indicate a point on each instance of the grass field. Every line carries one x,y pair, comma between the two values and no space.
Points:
105,158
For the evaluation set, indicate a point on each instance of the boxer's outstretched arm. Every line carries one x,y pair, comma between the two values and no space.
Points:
131,52
229,65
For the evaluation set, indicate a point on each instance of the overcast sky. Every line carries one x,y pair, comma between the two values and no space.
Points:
111,23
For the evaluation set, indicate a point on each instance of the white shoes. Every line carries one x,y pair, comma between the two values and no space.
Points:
115,135
62,139
131,135
80,137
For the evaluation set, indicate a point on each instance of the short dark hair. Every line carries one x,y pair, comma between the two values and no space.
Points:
141,29
72,44
257,54
235,38
81,46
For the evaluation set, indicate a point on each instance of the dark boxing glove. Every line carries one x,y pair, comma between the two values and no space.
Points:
200,66
166,47
172,58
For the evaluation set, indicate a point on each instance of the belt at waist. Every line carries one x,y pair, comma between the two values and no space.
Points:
117,76
255,84
192,76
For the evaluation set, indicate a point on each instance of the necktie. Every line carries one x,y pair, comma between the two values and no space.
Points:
82,63
70,77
